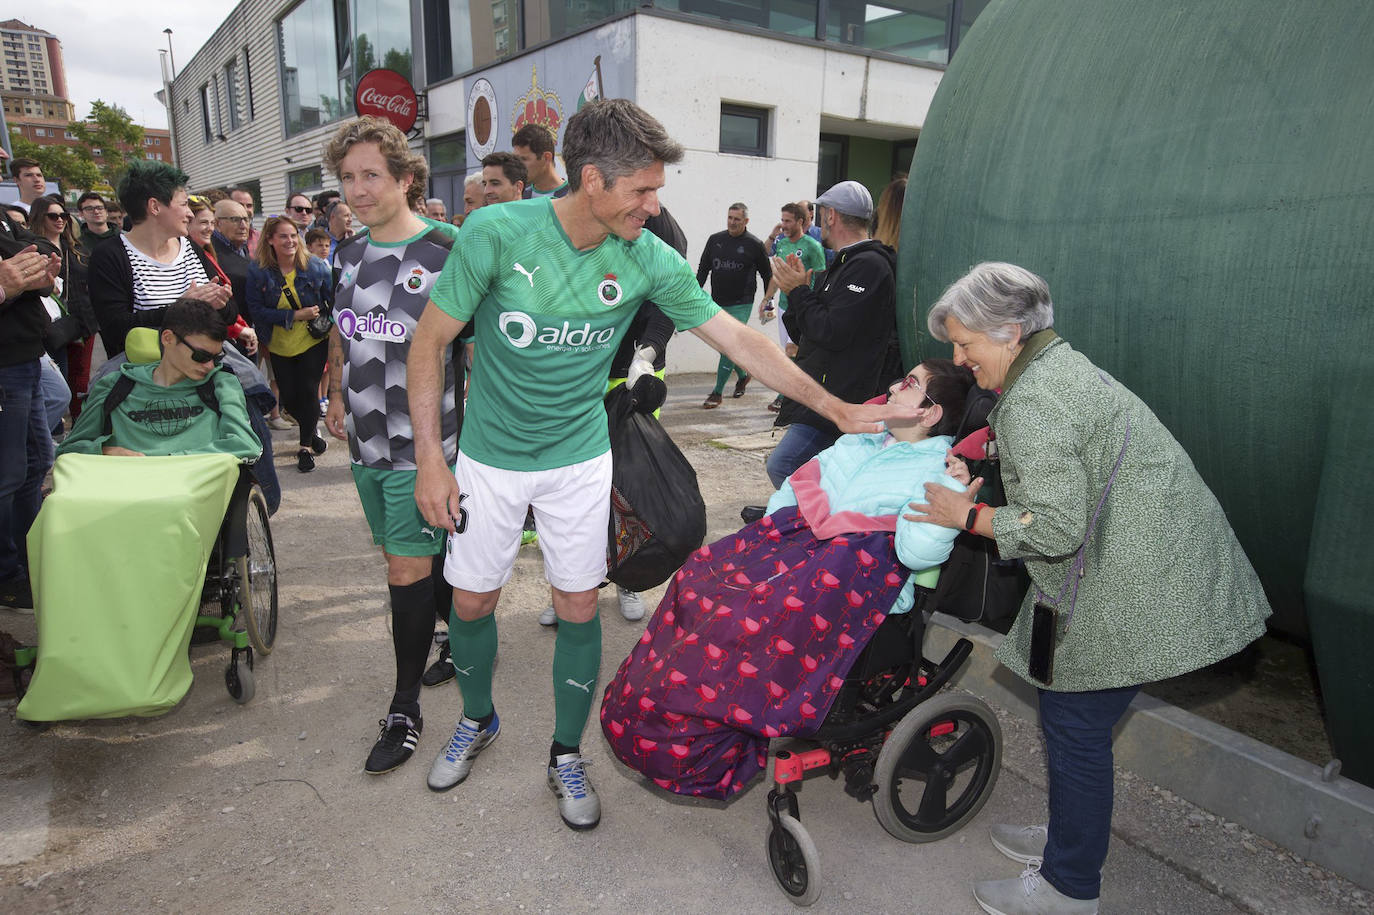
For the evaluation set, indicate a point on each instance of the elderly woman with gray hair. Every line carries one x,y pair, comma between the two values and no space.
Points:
1136,573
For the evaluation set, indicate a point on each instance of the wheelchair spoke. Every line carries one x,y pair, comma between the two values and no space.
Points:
935,801
970,745
919,758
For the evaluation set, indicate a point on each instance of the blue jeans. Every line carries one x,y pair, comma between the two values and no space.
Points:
56,393
1078,746
25,456
799,444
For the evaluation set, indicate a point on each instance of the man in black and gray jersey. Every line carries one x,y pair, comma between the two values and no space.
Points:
383,277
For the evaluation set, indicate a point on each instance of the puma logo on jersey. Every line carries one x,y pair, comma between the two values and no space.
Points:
528,274
429,531
587,688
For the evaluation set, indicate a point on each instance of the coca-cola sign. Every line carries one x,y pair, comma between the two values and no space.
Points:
387,94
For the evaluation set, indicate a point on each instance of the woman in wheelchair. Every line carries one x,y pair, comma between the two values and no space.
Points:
181,404
756,631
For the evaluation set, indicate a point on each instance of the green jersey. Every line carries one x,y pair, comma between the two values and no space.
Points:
548,319
808,249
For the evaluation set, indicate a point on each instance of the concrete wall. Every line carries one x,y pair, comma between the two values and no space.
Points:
683,74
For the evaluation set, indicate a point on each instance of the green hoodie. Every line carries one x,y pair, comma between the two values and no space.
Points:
159,420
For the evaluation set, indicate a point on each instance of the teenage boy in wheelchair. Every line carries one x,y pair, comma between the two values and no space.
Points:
182,404
141,489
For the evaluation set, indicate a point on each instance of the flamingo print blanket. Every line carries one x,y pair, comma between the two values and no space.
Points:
751,641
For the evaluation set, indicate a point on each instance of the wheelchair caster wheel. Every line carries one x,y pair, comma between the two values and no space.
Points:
796,865
238,678
937,768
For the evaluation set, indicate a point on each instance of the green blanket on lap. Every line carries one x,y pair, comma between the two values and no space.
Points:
117,558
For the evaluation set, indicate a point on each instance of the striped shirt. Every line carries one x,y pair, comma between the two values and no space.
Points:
157,285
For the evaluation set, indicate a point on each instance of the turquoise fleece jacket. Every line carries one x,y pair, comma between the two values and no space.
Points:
867,481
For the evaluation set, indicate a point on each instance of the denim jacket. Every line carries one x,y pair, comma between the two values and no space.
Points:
313,286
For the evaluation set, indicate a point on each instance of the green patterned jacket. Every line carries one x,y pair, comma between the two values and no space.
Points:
1167,588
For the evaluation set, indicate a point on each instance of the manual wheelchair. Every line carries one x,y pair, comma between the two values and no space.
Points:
928,760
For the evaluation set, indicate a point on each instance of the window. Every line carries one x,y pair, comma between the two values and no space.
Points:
205,113
832,162
97,151
383,36
447,50
317,73
231,92
40,132
743,130
248,81
303,180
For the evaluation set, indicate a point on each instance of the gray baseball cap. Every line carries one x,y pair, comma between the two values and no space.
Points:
850,198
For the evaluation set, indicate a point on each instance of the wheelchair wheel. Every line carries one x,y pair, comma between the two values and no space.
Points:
937,768
238,679
796,865
257,575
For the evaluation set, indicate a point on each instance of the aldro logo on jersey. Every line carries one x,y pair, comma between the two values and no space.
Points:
522,331
369,327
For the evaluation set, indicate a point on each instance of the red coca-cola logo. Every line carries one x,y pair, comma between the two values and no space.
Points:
387,94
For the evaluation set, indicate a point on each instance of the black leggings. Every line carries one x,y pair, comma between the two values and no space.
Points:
298,383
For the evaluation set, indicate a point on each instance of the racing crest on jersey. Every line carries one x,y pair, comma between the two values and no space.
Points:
609,291
416,281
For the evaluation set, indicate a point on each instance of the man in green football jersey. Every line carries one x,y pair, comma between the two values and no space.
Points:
551,286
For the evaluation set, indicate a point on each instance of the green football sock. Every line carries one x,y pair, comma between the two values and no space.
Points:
472,646
576,664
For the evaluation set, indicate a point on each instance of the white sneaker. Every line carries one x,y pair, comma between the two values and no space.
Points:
631,607
1023,844
1029,894
548,617
279,424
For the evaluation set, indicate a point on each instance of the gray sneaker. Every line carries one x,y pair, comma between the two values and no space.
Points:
1025,844
578,804
1029,894
631,607
548,617
455,762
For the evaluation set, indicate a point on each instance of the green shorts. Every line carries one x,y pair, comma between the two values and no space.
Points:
388,498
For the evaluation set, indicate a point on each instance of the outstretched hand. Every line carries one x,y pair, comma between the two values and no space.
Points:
870,417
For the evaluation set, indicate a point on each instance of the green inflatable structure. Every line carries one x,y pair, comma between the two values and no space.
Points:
1196,183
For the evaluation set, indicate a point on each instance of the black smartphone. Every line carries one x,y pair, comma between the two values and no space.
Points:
1044,625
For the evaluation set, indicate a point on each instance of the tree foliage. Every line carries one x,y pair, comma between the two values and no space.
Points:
108,129
64,164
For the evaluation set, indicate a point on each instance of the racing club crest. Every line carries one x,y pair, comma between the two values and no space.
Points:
609,291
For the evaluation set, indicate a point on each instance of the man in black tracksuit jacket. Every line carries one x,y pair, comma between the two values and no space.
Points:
844,322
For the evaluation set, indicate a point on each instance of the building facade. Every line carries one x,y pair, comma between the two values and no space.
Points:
773,101
33,81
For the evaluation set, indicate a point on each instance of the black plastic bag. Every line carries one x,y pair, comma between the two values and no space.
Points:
657,515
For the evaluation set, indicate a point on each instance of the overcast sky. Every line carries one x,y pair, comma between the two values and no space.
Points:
110,47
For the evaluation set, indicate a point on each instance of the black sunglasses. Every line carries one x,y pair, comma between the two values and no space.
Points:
299,209
54,217
201,355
